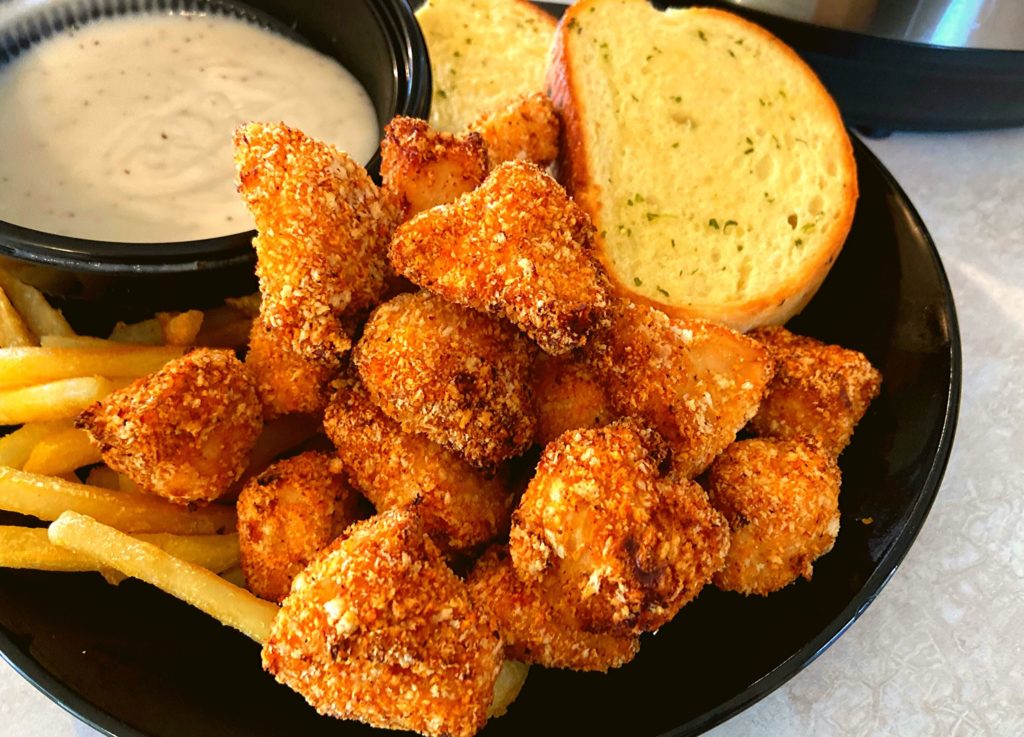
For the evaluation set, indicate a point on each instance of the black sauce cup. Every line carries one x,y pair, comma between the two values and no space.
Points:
97,282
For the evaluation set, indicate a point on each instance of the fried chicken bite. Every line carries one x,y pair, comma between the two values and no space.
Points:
696,382
321,256
781,499
569,396
458,376
184,432
535,630
461,508
527,129
517,247
287,514
422,167
819,390
378,629
600,529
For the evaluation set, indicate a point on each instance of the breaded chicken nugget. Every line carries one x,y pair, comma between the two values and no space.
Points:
533,630
527,129
696,382
378,629
323,230
515,247
458,376
569,396
819,390
287,514
598,528
184,432
781,498
461,508
285,381
422,167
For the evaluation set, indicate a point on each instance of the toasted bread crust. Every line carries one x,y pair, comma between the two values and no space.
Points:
792,294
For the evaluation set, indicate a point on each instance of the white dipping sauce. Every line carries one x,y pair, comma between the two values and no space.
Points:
121,130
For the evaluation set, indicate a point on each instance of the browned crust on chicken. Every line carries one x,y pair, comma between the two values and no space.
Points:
287,514
569,396
461,508
378,629
819,390
535,630
423,168
516,247
184,432
600,528
696,382
781,498
458,376
525,129
323,230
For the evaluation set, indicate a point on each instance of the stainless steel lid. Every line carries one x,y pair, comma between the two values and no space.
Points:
976,24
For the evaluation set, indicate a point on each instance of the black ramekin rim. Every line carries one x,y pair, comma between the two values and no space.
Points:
411,69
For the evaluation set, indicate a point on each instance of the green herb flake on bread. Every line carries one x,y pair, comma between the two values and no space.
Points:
714,164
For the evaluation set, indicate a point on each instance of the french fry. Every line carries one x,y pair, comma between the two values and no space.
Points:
249,305
46,497
510,682
23,547
55,400
62,453
27,366
13,330
77,341
235,576
16,447
279,436
180,328
147,332
224,327
41,318
103,477
198,586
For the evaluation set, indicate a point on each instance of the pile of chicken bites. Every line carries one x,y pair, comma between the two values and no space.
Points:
494,410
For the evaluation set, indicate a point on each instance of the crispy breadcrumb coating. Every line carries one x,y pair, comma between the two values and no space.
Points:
461,508
516,247
285,381
287,514
696,382
184,432
569,396
534,630
378,629
601,529
423,168
460,377
527,129
819,390
323,230
781,498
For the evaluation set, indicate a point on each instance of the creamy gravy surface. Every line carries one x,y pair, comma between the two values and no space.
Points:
121,130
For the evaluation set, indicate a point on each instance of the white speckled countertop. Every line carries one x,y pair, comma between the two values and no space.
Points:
941,651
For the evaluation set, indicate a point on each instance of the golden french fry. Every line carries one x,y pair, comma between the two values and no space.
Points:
224,327
198,586
77,341
55,400
46,497
23,547
26,366
147,332
16,447
62,453
236,576
13,330
279,436
180,328
510,682
41,318
249,305
103,477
